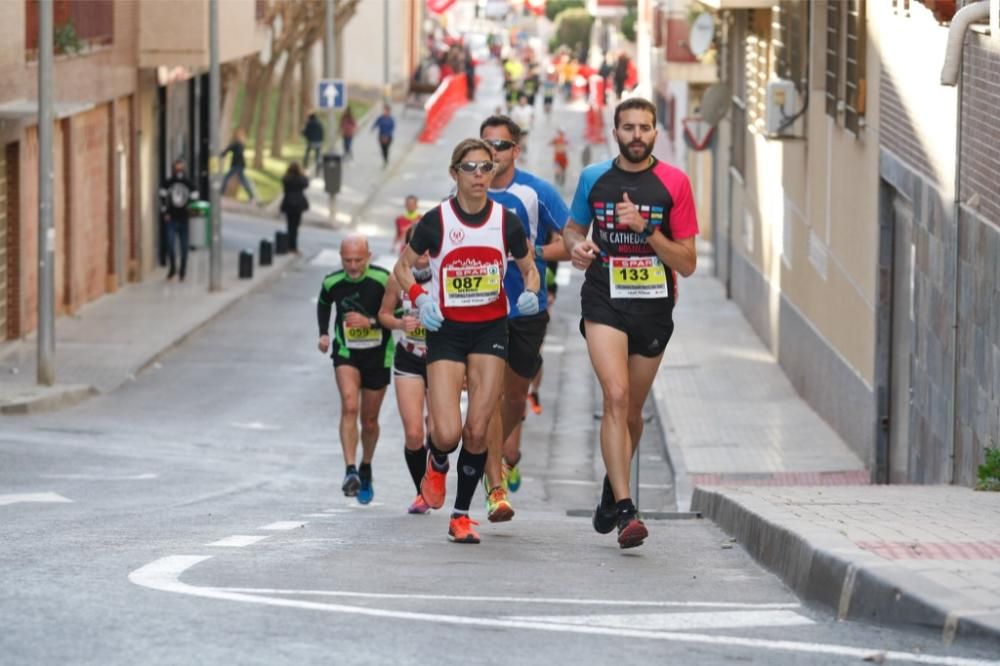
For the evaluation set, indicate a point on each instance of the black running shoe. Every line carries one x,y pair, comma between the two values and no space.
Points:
631,530
605,519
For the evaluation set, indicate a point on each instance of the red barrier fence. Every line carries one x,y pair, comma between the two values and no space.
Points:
441,106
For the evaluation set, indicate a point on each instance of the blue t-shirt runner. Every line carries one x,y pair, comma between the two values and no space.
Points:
542,210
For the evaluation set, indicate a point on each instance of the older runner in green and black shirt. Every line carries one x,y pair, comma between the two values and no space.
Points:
362,356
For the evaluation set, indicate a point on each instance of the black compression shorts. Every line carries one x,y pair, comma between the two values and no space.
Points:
372,364
456,340
406,364
647,335
525,337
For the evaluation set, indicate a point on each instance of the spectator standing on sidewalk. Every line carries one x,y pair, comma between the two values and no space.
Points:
238,165
314,135
294,202
644,229
348,126
386,126
362,356
177,193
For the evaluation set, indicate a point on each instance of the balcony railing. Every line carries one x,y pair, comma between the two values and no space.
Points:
78,25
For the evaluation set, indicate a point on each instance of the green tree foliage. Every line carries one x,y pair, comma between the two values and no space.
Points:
989,471
628,21
555,7
573,27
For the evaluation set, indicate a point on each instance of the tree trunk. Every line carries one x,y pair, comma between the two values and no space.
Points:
231,79
307,90
264,97
251,92
281,107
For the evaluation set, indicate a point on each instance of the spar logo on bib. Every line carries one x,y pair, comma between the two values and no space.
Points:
456,236
471,282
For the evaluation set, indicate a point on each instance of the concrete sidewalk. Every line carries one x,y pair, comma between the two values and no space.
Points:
109,341
751,455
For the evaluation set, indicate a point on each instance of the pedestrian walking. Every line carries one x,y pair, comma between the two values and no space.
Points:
362,356
464,310
386,126
294,202
644,229
177,194
542,212
314,135
238,164
409,371
348,126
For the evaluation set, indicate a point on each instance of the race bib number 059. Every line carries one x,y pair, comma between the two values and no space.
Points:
468,286
362,337
637,277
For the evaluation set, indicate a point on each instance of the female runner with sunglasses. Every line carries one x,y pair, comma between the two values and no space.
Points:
465,312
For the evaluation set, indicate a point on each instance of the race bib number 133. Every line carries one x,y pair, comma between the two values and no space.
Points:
637,277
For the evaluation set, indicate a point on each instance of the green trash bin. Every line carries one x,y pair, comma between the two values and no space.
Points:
201,214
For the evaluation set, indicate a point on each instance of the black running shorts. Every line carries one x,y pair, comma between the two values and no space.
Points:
648,335
405,364
525,336
375,372
456,340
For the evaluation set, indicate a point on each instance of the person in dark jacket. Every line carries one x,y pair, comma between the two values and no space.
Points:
314,136
176,194
294,202
238,165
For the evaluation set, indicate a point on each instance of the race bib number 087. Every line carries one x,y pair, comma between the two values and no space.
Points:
471,285
637,277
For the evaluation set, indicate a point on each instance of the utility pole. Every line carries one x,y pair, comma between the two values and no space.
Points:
46,230
215,197
329,72
386,90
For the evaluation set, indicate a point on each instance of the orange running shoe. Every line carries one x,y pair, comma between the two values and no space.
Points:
432,487
534,403
498,506
419,506
460,529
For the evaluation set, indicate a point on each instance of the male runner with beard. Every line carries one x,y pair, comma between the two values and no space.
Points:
644,223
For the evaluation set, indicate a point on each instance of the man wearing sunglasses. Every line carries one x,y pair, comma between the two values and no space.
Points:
644,226
464,310
543,213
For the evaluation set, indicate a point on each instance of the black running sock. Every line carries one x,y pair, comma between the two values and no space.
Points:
351,469
366,471
607,495
470,472
626,506
438,458
416,462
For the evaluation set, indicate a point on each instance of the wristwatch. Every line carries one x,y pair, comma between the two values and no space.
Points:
648,230
538,251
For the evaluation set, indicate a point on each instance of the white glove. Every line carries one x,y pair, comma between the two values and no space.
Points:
527,303
430,313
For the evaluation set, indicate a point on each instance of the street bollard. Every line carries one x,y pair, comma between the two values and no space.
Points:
246,264
265,252
280,242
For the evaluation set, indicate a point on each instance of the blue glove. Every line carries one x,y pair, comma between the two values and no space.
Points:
527,303
430,313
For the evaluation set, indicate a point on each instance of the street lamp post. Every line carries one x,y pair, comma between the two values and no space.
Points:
330,73
46,230
386,91
215,196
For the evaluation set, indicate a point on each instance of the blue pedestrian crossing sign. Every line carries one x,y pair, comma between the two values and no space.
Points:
331,94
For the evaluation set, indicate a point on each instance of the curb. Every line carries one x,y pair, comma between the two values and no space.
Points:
830,570
61,397
675,458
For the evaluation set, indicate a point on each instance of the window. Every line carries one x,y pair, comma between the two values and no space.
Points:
737,65
77,25
845,61
789,34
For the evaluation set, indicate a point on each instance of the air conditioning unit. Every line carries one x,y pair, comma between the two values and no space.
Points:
781,105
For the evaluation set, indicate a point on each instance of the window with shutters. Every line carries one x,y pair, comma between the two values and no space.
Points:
737,68
845,61
789,35
833,16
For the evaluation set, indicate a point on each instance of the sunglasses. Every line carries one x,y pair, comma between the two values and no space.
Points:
472,167
501,144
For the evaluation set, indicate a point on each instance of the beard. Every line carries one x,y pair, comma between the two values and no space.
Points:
633,152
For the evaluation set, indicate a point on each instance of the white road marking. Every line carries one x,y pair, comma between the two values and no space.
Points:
584,482
336,510
97,477
254,425
163,575
32,497
238,541
317,515
282,525
677,621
